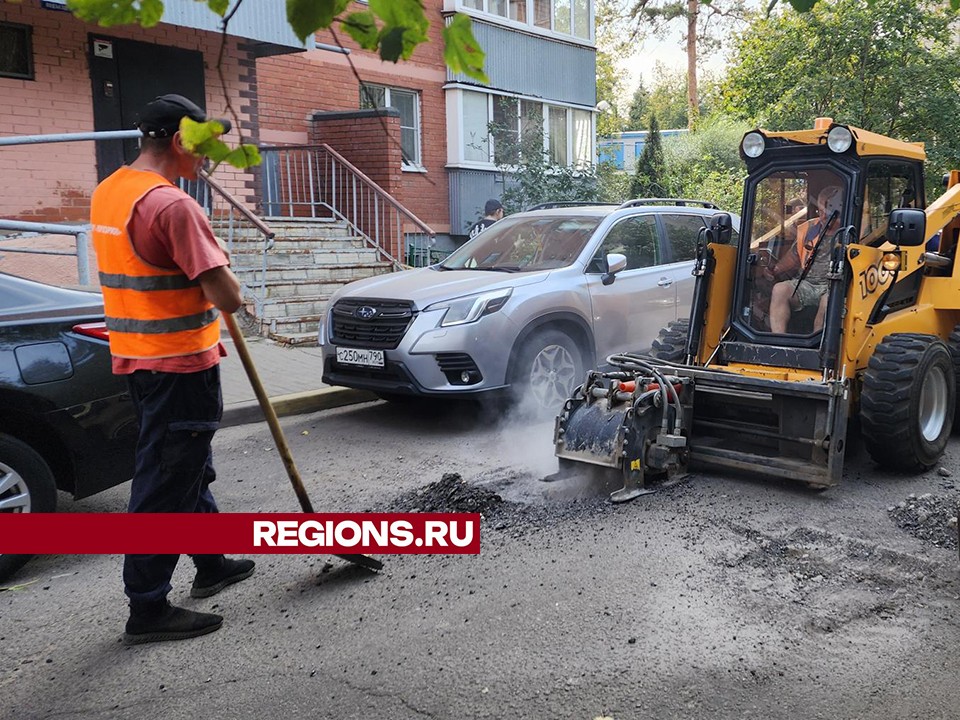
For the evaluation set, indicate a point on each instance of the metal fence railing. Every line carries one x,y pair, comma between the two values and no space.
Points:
18,231
315,181
247,237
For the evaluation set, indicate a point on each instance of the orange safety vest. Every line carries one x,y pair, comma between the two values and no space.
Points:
802,249
151,312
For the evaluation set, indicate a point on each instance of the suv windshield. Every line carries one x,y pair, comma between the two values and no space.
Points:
525,244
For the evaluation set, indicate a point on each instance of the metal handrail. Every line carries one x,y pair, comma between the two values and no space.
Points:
201,190
380,191
239,207
317,182
81,234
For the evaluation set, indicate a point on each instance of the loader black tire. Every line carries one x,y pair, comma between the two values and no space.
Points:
671,343
953,342
908,401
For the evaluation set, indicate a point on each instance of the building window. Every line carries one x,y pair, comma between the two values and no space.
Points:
16,51
407,103
508,125
564,17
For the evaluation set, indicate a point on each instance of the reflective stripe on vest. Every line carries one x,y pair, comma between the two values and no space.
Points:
151,312
154,327
155,282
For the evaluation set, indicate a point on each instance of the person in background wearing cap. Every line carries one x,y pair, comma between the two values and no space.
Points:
164,277
492,212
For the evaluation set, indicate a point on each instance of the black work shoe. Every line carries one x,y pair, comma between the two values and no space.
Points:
210,581
163,621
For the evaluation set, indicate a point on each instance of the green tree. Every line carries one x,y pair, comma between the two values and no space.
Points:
609,89
649,173
892,67
705,164
634,20
638,115
668,99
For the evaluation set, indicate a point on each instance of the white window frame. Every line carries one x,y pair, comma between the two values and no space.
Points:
528,25
456,155
416,163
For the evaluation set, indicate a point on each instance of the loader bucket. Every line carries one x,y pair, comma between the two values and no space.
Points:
779,428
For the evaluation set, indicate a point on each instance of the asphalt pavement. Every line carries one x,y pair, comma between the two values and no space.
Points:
289,374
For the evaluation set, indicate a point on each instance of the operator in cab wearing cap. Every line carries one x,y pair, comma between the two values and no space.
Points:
165,278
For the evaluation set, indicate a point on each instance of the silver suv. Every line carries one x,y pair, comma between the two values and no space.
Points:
528,304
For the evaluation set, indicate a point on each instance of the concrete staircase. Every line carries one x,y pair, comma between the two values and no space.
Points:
309,261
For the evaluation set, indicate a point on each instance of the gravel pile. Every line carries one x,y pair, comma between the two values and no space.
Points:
450,494
929,518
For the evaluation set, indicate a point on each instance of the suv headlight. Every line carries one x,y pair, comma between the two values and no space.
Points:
470,308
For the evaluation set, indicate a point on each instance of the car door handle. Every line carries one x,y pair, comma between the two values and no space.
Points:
665,282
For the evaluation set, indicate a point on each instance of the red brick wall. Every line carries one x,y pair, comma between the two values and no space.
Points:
53,182
364,143
294,87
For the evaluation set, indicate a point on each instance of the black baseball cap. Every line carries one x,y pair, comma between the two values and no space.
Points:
161,116
492,206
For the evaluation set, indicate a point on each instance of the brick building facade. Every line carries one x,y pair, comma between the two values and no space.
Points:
76,82
303,98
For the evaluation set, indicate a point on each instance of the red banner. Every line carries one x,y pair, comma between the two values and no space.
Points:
239,533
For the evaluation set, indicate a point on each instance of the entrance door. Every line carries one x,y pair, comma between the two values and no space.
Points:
126,75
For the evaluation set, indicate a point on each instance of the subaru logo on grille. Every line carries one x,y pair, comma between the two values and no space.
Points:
365,312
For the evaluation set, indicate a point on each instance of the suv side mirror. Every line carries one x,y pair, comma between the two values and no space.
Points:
615,263
721,228
907,227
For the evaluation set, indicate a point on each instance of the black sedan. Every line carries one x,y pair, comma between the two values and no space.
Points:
66,422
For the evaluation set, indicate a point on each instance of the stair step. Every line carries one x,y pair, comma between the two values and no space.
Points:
295,274
284,246
299,339
276,308
252,233
309,258
305,327
294,292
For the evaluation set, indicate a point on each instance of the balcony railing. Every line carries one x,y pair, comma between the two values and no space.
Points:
315,181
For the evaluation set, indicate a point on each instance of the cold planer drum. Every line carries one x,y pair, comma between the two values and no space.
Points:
650,420
633,419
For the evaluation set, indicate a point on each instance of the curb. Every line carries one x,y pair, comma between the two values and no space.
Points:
299,403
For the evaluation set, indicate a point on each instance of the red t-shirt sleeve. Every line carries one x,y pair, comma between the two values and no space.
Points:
169,229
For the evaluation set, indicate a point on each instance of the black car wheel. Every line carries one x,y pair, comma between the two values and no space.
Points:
26,485
548,368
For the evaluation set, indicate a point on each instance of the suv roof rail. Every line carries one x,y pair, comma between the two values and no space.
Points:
567,203
669,201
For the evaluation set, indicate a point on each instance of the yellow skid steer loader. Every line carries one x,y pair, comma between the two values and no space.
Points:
840,301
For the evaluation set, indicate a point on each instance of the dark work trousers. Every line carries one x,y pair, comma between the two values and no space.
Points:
178,414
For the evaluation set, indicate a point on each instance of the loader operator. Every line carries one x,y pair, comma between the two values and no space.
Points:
809,287
164,276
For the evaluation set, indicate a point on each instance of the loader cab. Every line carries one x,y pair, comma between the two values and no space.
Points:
796,217
804,203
